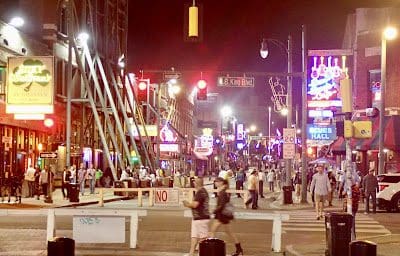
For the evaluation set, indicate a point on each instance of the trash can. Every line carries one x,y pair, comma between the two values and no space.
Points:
212,247
338,233
362,248
61,246
287,195
73,192
118,184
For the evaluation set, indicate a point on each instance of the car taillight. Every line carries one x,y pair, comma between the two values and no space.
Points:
382,187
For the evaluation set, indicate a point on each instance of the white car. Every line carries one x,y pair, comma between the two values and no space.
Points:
388,196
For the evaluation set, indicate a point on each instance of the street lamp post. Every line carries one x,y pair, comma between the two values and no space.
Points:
288,50
269,131
388,34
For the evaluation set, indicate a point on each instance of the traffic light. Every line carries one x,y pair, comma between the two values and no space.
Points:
142,90
201,90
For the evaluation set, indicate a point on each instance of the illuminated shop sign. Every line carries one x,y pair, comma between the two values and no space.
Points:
240,132
321,132
320,113
150,129
169,148
324,85
167,135
30,85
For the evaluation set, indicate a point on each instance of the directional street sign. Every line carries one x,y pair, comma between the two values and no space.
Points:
228,81
168,75
48,155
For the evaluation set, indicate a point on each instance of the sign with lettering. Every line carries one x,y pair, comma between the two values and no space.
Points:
227,81
166,196
289,150
98,229
321,132
289,135
30,85
48,154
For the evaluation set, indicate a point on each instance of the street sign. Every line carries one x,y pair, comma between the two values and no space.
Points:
227,81
166,196
48,155
289,151
168,75
289,135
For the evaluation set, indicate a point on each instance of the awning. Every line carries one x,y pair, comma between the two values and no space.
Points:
339,145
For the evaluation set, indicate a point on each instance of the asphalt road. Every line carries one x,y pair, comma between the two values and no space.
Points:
168,231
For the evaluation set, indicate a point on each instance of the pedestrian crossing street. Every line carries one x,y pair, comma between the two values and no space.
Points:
305,221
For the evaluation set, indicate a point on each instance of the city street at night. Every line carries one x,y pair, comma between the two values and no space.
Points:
199,127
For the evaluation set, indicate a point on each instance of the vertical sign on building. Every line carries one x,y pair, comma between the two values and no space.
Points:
30,85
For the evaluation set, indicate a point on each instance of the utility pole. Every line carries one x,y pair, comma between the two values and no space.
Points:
304,116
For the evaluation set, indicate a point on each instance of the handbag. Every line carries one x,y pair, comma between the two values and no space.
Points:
228,210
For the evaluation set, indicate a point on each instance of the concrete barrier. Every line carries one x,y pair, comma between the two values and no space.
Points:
52,213
276,218
185,191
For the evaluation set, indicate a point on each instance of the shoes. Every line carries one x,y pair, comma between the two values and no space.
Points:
262,196
239,250
330,205
366,213
318,218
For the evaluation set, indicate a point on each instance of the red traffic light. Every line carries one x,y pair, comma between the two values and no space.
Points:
201,84
142,85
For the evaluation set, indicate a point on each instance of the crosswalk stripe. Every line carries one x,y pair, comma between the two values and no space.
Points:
323,225
305,221
358,230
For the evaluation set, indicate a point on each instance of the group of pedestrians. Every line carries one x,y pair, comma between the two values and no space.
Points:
351,187
39,181
82,176
201,228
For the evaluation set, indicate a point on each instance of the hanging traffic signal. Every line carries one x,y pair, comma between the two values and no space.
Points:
202,90
143,90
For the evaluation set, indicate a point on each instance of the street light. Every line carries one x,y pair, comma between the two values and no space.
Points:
253,128
288,50
17,22
389,33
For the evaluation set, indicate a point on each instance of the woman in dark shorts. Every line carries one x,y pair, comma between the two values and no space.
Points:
223,215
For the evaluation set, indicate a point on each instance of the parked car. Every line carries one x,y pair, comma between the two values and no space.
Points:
388,196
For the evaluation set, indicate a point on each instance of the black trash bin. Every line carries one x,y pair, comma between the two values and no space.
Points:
362,248
61,246
73,192
338,233
118,184
287,195
212,247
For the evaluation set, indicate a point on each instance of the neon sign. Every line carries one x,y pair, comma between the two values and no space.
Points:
167,135
324,84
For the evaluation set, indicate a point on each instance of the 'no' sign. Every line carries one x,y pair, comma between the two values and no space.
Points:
166,196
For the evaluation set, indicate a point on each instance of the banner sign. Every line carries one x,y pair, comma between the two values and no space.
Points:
30,85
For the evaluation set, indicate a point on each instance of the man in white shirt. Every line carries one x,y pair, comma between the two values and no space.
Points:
320,182
252,184
30,178
271,180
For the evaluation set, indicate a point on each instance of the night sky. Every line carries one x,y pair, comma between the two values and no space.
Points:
232,33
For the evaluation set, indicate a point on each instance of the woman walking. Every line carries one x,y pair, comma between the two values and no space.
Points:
224,214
